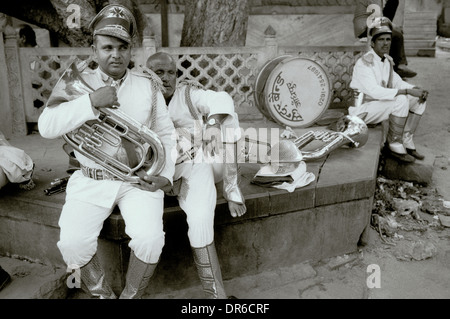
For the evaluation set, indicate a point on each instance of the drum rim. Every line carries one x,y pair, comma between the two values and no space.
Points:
262,107
328,102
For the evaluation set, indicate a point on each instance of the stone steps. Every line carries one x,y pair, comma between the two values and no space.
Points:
420,30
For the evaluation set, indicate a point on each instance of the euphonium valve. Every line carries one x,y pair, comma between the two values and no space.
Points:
100,139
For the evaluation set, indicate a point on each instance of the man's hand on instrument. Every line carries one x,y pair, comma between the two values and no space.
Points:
153,183
104,97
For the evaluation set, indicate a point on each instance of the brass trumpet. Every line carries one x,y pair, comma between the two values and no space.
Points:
109,131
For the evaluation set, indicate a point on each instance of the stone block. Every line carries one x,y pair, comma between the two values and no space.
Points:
30,280
418,172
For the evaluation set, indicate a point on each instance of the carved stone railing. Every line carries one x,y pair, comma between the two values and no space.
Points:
41,69
13,97
233,70
32,72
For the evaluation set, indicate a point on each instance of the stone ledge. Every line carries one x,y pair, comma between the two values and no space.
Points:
263,244
345,175
33,281
327,217
420,172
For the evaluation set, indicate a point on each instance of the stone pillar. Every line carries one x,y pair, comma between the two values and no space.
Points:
5,108
271,44
14,78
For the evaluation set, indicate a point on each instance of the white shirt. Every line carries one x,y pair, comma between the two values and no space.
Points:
135,97
205,103
371,77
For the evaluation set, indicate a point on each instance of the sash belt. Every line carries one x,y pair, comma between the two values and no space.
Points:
98,174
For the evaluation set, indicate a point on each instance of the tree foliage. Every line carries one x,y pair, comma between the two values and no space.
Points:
58,17
206,23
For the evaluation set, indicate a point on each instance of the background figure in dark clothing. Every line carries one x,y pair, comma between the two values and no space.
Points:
27,36
389,10
397,51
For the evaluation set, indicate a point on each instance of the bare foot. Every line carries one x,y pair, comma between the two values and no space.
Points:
236,209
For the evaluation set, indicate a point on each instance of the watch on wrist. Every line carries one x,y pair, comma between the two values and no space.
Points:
212,121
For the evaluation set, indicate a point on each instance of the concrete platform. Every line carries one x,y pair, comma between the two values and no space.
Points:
280,229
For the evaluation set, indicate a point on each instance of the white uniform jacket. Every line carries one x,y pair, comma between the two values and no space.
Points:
135,98
189,119
205,103
371,77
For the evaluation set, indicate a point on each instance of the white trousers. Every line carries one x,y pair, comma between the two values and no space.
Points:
81,223
197,199
379,111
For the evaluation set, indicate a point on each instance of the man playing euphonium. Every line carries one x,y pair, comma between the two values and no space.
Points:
92,191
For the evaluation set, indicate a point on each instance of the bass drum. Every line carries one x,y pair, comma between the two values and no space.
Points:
293,91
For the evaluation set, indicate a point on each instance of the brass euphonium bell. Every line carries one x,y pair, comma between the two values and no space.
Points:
108,132
351,131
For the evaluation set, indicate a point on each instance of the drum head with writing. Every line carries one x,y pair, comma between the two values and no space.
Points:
297,92
261,84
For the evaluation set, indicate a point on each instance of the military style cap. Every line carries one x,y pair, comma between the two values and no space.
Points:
382,25
114,20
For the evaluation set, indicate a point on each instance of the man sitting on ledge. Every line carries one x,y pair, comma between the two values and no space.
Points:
92,192
388,9
190,106
387,96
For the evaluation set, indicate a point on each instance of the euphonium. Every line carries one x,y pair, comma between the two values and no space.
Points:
352,131
108,131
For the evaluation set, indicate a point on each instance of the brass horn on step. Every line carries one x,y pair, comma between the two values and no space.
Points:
95,138
351,131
